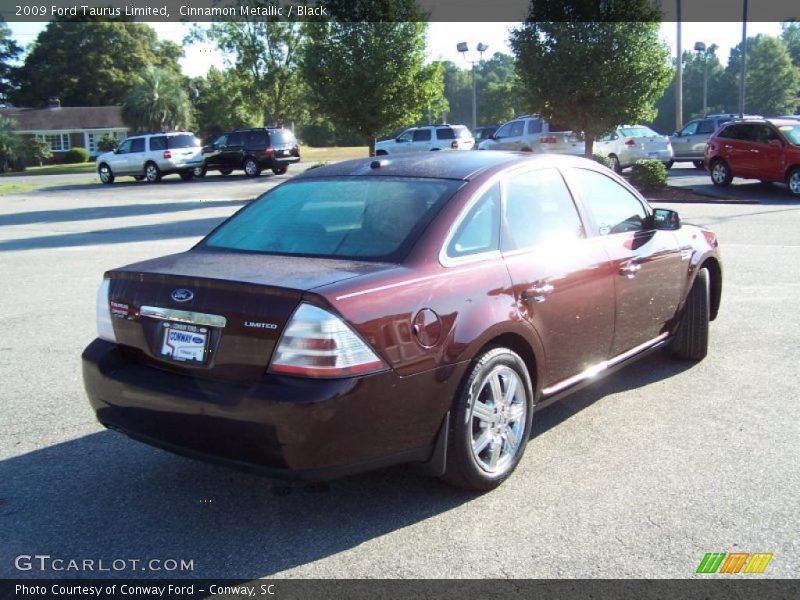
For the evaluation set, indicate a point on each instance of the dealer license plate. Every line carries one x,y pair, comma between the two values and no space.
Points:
652,154
184,343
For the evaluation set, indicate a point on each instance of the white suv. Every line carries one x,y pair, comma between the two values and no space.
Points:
533,134
429,137
152,156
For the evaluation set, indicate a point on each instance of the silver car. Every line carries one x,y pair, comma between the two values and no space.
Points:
534,134
427,138
629,143
152,156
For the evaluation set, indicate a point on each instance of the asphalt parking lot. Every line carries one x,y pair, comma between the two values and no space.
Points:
638,476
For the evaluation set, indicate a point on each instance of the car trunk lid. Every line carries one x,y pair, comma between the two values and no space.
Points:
215,314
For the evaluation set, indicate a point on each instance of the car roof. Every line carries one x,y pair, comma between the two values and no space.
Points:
439,165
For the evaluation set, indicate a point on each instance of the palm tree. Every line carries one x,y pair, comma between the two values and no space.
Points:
157,102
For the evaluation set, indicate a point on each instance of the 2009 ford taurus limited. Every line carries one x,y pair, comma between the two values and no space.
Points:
406,310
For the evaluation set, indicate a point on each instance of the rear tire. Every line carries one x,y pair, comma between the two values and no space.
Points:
668,164
152,173
720,173
793,181
615,163
251,168
106,174
381,153
225,172
280,170
691,341
491,422
699,164
199,171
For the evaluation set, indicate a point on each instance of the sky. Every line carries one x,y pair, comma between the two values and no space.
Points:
443,37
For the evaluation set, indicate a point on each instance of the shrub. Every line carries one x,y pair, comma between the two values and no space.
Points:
37,151
648,175
603,159
107,143
76,154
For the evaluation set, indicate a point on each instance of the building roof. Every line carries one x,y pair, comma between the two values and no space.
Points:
66,118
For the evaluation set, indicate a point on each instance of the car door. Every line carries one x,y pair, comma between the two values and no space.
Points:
683,141
562,285
233,155
764,159
137,156
502,137
119,160
212,155
421,140
737,147
647,265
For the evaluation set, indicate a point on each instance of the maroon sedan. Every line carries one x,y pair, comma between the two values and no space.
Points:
410,310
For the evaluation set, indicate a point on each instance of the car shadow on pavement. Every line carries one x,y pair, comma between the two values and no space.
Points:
212,181
105,496
114,211
118,235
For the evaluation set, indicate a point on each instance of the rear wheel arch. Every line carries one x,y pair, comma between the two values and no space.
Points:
521,346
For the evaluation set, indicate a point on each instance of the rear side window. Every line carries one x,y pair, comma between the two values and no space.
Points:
612,207
236,139
445,133
257,139
158,143
366,218
534,126
279,137
182,141
422,135
480,230
539,210
517,128
137,145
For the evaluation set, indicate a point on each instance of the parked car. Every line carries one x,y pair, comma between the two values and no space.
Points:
251,150
152,156
482,133
765,149
427,138
689,144
629,143
415,309
533,134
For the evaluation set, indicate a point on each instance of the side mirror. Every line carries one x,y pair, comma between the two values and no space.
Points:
665,219
676,134
776,144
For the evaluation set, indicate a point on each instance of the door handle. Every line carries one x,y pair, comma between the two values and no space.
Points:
728,147
630,269
754,151
538,292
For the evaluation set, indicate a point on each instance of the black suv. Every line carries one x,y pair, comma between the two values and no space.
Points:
252,150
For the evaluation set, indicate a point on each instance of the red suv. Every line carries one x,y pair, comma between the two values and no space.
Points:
765,149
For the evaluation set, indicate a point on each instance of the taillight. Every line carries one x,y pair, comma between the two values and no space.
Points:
317,343
167,154
547,140
105,330
269,151
630,143
454,145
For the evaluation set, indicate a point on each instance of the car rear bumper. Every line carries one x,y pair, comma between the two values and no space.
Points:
285,426
269,162
629,157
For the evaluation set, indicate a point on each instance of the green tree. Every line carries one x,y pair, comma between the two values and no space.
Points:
38,150
222,104
790,34
263,54
365,68
9,51
91,63
107,143
772,83
591,65
11,146
157,102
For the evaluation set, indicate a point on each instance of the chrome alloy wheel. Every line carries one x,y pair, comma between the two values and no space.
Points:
251,168
497,419
794,182
719,172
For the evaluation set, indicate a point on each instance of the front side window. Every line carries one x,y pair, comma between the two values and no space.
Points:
405,136
612,208
690,129
221,141
539,210
124,147
479,231
504,131
359,218
137,145
517,128
422,135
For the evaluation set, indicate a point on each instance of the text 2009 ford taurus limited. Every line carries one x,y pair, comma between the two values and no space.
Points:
407,310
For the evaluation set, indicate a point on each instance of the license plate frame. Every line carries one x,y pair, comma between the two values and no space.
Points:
184,343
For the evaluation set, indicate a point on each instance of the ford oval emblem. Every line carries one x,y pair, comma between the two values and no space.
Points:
182,295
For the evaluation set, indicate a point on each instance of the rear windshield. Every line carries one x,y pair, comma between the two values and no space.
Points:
363,218
182,141
637,132
792,133
281,136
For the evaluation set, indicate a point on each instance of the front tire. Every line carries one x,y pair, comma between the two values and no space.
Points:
279,170
699,164
106,174
381,153
691,341
615,164
251,168
668,164
152,173
793,181
721,173
491,422
199,171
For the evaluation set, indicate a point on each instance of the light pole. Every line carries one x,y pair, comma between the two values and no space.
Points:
481,48
700,48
